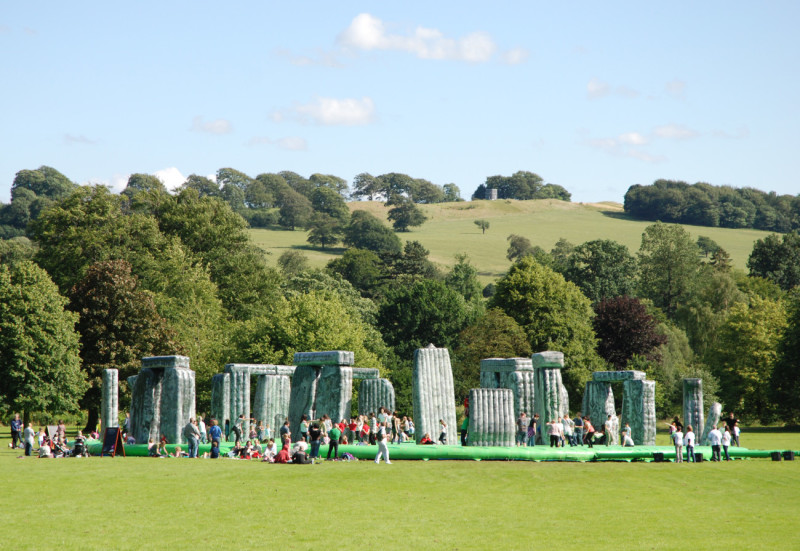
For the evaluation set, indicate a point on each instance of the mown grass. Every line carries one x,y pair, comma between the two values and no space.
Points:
451,230
134,503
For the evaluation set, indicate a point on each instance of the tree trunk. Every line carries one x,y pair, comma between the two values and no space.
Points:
91,422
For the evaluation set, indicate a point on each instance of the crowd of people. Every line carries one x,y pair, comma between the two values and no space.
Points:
255,440
50,444
719,440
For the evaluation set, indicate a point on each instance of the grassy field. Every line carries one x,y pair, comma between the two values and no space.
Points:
451,230
139,503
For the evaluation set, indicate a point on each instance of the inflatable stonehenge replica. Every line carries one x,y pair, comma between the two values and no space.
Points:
321,383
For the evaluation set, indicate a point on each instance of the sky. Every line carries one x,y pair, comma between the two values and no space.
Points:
592,96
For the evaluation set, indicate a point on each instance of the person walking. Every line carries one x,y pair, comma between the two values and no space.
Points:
715,439
383,448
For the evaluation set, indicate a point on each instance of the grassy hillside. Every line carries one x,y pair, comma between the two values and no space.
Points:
450,230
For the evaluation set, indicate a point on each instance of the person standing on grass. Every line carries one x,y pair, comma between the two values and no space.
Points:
333,447
383,449
16,431
192,434
28,437
715,439
215,432
314,433
522,427
688,441
464,429
201,426
736,433
677,440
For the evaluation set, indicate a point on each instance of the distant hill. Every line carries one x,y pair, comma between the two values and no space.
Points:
450,230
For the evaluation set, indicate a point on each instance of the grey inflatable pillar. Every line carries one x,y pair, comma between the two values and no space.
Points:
550,397
433,393
177,403
334,393
515,374
374,394
271,406
639,410
714,413
491,417
693,403
162,399
109,413
221,398
303,396
240,395
598,404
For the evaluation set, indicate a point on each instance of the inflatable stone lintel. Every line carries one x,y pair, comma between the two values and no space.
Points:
548,358
328,357
165,362
618,376
504,365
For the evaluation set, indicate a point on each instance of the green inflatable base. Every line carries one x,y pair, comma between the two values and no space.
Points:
411,451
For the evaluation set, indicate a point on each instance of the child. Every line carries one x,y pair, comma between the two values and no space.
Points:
726,442
677,439
443,433
215,449
426,440
627,441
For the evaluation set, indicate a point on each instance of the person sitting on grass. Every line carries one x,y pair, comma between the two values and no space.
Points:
214,449
271,450
283,455
426,440
45,450
178,452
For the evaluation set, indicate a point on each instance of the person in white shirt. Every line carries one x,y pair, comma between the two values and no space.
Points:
569,429
627,440
677,439
726,441
715,439
201,425
688,441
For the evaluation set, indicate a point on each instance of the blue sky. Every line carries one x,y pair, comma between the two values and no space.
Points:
593,96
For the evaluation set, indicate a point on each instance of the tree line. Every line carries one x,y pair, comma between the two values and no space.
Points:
702,204
105,279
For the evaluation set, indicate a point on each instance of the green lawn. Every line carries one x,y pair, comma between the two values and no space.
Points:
450,230
138,503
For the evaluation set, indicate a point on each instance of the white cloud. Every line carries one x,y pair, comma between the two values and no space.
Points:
290,143
219,126
633,138
367,32
675,132
171,177
628,144
331,112
675,88
597,88
70,139
515,56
